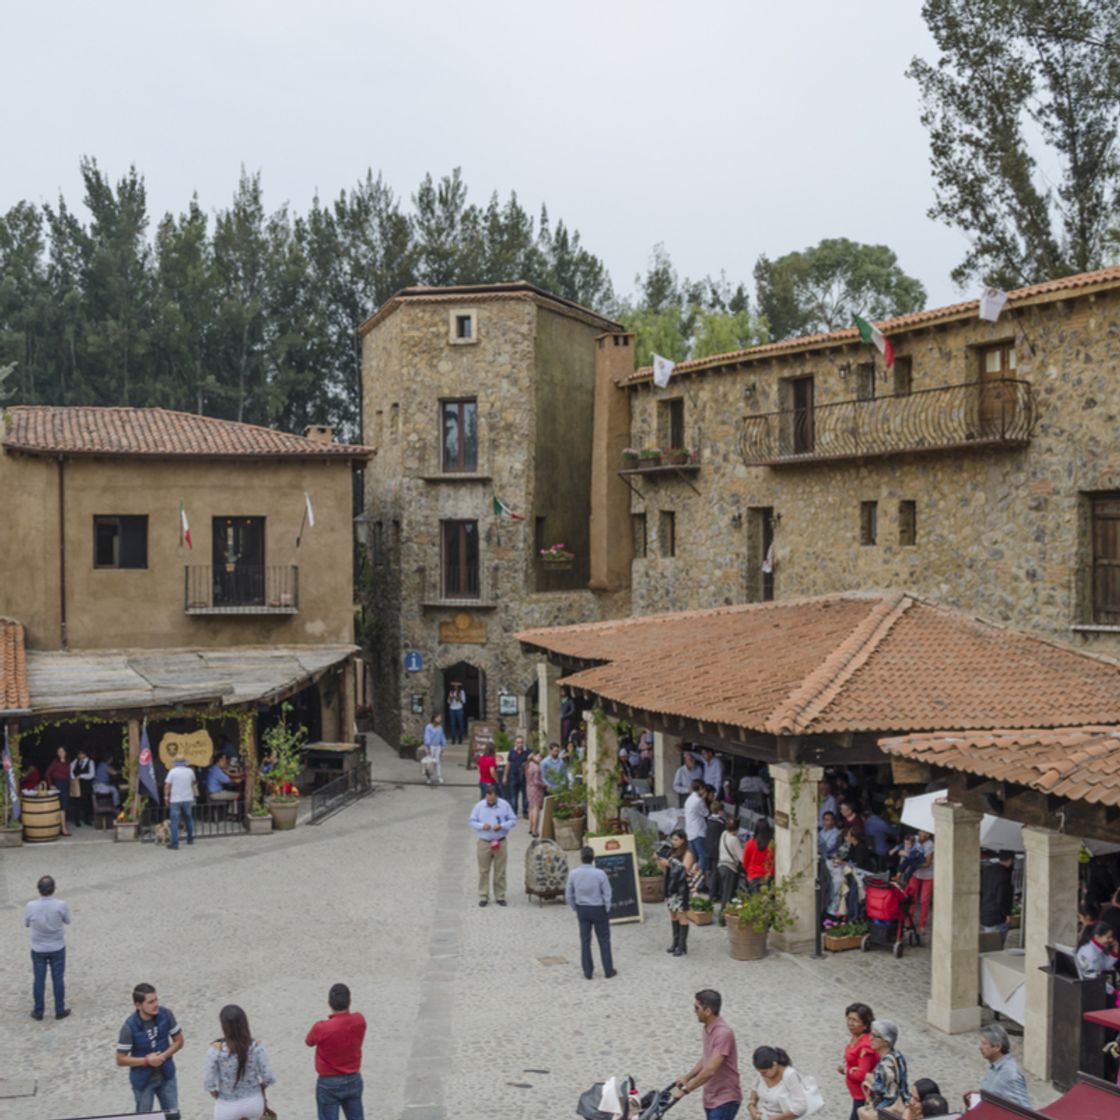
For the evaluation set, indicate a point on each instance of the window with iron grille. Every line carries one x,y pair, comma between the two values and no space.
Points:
907,522
667,533
459,559
459,434
1106,559
638,531
868,522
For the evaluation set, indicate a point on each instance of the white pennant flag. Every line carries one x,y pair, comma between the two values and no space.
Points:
310,511
991,303
662,371
768,563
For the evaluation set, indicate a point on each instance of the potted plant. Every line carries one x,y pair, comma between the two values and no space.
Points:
363,718
557,557
751,916
679,456
284,762
124,828
847,936
630,457
408,745
259,820
700,910
650,457
651,879
569,816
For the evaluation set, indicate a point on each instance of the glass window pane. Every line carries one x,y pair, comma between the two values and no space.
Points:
106,541
451,443
470,435
992,361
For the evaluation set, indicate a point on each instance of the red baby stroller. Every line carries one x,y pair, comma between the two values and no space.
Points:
890,910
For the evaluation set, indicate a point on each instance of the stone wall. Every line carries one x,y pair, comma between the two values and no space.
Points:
532,371
1002,532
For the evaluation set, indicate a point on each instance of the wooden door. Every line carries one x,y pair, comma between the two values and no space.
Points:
997,367
803,441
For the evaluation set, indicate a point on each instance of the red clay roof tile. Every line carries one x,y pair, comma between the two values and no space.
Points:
156,433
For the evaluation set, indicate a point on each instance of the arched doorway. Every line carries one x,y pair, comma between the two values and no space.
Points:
473,680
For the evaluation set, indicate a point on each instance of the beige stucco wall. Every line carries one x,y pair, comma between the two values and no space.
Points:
1002,533
532,372
117,608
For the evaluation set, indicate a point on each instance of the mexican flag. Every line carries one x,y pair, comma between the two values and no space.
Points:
870,335
502,510
184,527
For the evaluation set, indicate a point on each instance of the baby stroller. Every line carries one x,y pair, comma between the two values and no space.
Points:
617,1099
890,910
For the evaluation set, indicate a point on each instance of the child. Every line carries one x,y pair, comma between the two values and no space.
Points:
910,858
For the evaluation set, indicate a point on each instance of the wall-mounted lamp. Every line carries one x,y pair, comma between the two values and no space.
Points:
736,520
749,390
845,369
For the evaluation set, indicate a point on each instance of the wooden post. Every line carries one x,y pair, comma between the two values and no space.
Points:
248,747
134,765
346,702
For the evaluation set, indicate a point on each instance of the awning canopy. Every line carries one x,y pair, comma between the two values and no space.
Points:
127,680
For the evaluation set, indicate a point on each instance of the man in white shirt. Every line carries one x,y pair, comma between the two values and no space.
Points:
713,770
178,796
696,824
688,772
45,916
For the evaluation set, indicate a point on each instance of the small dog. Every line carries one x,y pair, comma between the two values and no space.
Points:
162,832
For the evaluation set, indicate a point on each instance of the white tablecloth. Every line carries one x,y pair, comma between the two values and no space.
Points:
1003,983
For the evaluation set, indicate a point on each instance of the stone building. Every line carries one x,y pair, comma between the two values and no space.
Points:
980,471
480,403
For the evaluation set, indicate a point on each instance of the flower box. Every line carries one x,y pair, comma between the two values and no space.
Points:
125,831
700,917
259,826
841,944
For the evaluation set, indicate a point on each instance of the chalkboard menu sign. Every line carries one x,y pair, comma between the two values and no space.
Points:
618,857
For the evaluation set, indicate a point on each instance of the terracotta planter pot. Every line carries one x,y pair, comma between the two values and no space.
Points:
745,943
680,459
569,833
125,831
653,888
557,565
840,944
629,462
283,814
259,826
700,917
1014,921
649,464
11,837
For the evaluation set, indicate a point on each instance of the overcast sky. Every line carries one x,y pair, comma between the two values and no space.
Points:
723,129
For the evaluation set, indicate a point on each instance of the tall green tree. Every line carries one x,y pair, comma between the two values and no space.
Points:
24,301
821,288
1022,106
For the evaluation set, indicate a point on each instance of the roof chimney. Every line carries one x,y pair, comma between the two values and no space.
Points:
320,433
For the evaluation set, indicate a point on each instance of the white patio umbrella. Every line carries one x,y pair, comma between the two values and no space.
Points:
995,832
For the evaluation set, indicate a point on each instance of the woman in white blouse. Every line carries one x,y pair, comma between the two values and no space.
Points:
237,1069
778,1093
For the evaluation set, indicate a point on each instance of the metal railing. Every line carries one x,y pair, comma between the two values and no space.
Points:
448,584
211,818
241,589
351,786
977,414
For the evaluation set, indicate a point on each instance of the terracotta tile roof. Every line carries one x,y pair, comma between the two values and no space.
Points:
1080,763
14,696
487,293
849,662
1036,293
156,433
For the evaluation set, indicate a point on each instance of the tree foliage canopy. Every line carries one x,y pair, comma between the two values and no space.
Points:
821,288
244,313
1022,109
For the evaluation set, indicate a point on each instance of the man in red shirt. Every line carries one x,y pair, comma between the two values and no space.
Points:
338,1058
718,1068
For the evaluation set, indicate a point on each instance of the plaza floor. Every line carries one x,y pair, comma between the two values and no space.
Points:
472,1012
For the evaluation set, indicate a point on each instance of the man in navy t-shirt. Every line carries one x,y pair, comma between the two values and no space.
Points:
148,1040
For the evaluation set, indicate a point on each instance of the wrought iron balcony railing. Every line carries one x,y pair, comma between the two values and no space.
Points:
472,585
241,589
998,413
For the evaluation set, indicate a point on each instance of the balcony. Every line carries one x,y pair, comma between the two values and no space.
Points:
472,586
241,589
996,413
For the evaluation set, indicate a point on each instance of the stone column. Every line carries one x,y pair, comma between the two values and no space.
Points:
954,950
796,803
346,702
548,698
602,758
1050,917
666,759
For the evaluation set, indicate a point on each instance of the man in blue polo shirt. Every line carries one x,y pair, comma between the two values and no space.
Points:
217,779
148,1040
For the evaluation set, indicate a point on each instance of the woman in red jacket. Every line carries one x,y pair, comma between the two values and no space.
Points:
758,856
860,1057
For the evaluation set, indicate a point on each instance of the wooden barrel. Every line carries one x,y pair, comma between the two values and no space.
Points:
41,812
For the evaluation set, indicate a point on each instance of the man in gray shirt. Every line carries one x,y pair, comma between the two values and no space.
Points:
588,893
1004,1075
45,916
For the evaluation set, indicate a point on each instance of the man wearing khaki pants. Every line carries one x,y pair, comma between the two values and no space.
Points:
492,818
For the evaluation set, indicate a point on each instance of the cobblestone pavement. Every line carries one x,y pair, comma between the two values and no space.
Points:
472,1012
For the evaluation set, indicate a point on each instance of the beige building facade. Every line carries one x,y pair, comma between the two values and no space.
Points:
479,402
981,470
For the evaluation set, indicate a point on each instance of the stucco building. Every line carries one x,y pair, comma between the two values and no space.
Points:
980,470
480,404
119,613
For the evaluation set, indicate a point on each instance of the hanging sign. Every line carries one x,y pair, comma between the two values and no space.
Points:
196,747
